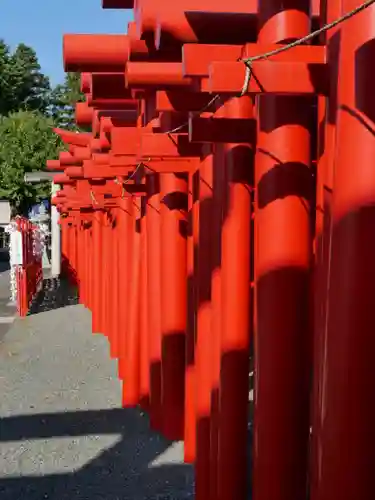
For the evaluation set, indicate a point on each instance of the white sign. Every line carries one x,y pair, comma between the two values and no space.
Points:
16,248
4,212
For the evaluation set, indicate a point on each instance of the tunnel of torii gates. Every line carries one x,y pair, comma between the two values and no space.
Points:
219,220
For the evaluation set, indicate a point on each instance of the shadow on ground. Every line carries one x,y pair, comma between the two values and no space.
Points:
55,293
4,265
122,472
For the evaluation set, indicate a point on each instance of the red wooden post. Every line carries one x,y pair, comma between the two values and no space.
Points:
154,298
90,276
205,334
131,365
143,327
97,259
236,317
346,438
64,245
284,186
173,300
324,186
219,183
192,304
109,280
126,228
104,276
116,256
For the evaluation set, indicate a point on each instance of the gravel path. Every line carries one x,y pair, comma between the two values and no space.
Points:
7,310
63,434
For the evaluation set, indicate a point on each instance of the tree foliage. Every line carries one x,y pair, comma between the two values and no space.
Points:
63,99
27,141
22,84
29,110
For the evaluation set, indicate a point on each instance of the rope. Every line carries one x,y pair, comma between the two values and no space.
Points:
300,41
197,113
93,199
131,176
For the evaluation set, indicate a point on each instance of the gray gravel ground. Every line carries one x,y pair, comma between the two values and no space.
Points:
63,434
7,311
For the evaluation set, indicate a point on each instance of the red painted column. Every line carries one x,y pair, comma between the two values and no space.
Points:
88,245
64,244
72,250
219,180
324,185
85,261
143,327
77,233
154,298
235,315
173,301
284,184
205,334
68,247
131,365
346,443
91,259
113,284
81,261
75,250
97,271
192,274
105,283
126,228
114,281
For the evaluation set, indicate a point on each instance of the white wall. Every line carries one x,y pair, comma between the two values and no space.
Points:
4,212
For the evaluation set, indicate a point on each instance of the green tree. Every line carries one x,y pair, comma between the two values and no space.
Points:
27,141
63,99
29,109
22,84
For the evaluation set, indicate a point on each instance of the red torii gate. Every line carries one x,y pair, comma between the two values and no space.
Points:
212,168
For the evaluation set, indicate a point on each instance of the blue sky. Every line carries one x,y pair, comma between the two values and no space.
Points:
42,23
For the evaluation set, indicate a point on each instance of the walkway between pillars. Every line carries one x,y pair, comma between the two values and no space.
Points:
63,435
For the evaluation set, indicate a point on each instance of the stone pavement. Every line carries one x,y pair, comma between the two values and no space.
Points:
7,310
63,434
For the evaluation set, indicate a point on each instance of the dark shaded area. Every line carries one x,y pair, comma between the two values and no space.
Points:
173,382
120,472
55,293
283,378
286,179
345,408
176,200
333,53
283,110
214,27
364,85
4,262
104,88
221,129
